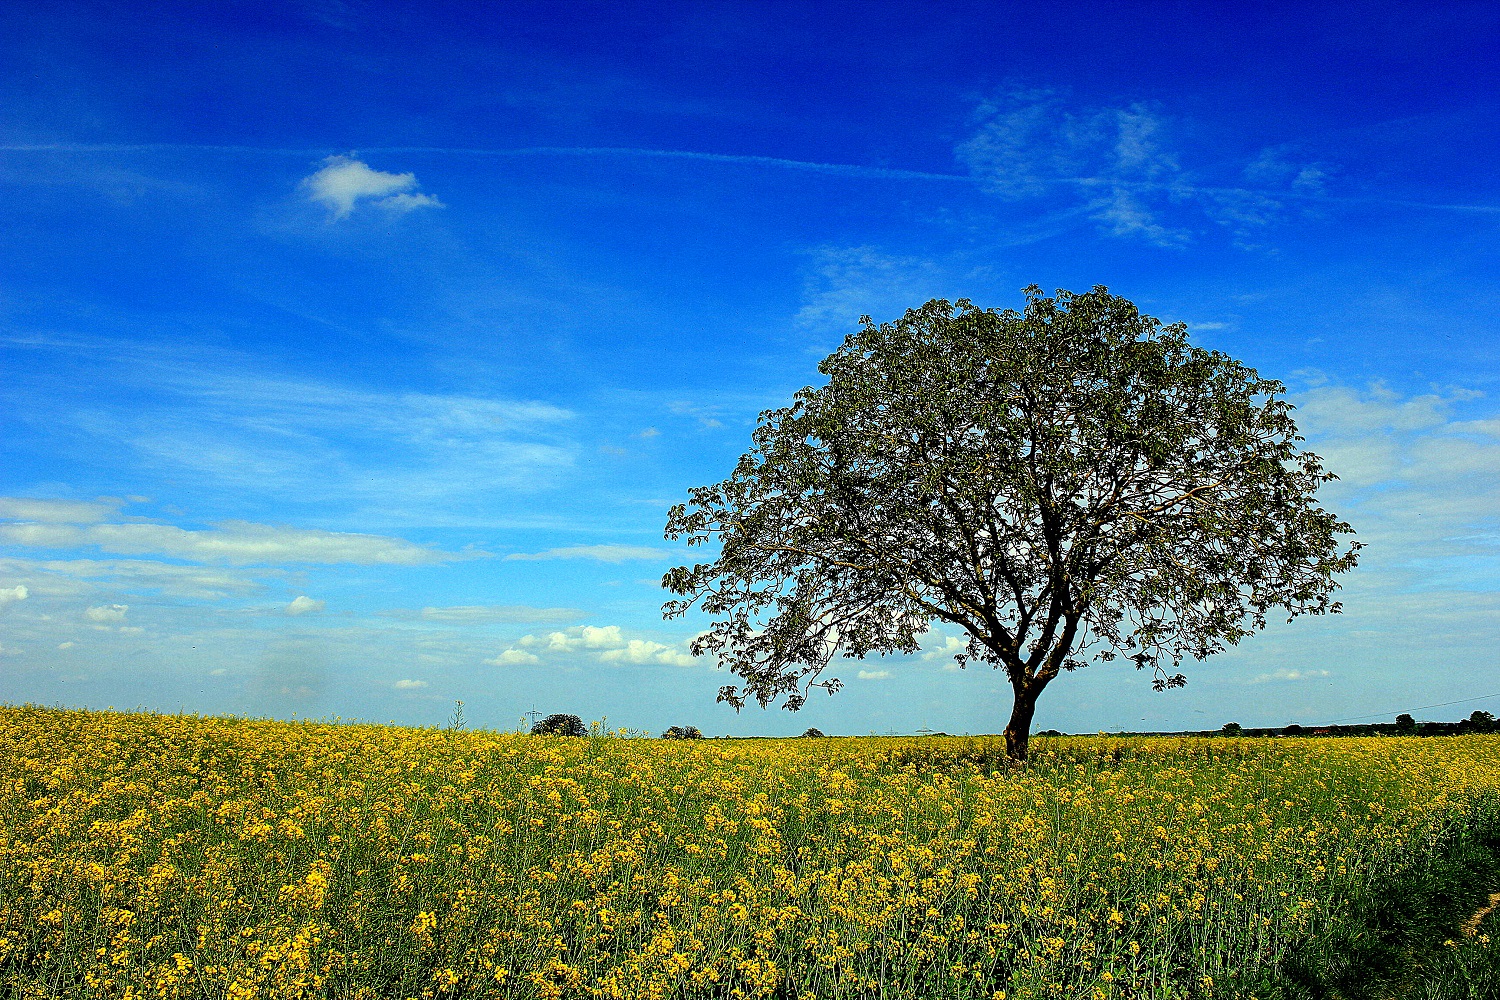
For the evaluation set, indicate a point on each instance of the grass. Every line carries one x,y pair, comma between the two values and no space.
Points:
169,856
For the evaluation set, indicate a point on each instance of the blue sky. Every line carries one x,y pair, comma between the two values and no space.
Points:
350,355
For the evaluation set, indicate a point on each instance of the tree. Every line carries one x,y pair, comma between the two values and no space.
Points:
813,733
1072,481
1232,729
1405,722
682,733
560,725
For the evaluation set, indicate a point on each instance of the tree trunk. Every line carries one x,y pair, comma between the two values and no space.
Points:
1018,732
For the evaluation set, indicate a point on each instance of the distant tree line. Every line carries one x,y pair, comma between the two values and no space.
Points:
1405,725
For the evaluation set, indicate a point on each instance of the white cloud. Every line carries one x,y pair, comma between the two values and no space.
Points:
951,646
55,511
645,651
873,675
603,553
106,614
1289,675
71,577
1342,410
234,542
66,645
409,685
606,643
344,182
303,605
10,595
513,657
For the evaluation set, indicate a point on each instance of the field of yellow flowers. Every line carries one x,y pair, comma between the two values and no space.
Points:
178,856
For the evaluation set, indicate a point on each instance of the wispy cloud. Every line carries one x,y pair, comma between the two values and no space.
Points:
298,438
1124,165
233,542
344,183
56,511
602,553
73,578
488,614
844,283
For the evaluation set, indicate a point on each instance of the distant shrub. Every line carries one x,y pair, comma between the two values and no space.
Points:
682,733
560,725
1231,728
813,732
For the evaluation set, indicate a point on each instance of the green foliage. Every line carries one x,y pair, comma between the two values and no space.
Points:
560,725
682,733
1072,483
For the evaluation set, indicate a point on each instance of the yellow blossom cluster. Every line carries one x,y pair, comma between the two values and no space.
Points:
148,856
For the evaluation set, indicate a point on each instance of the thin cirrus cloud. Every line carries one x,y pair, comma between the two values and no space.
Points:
344,184
601,553
71,578
230,542
486,614
298,438
1120,167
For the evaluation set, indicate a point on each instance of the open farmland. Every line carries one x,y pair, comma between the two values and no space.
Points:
162,856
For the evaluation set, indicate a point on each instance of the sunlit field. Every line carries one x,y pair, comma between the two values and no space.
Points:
160,856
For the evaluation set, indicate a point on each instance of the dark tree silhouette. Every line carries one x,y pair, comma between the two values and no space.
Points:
560,725
682,733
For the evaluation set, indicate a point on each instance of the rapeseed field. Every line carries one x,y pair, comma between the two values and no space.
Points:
150,856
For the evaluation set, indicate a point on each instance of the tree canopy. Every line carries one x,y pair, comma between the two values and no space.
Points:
560,724
1069,483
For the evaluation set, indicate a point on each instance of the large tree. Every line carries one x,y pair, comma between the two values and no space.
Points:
1072,482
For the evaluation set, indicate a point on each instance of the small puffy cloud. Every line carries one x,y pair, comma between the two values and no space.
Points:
344,183
66,645
603,553
513,658
873,675
10,595
106,614
951,646
946,650
1289,675
409,685
303,605
606,643
645,651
